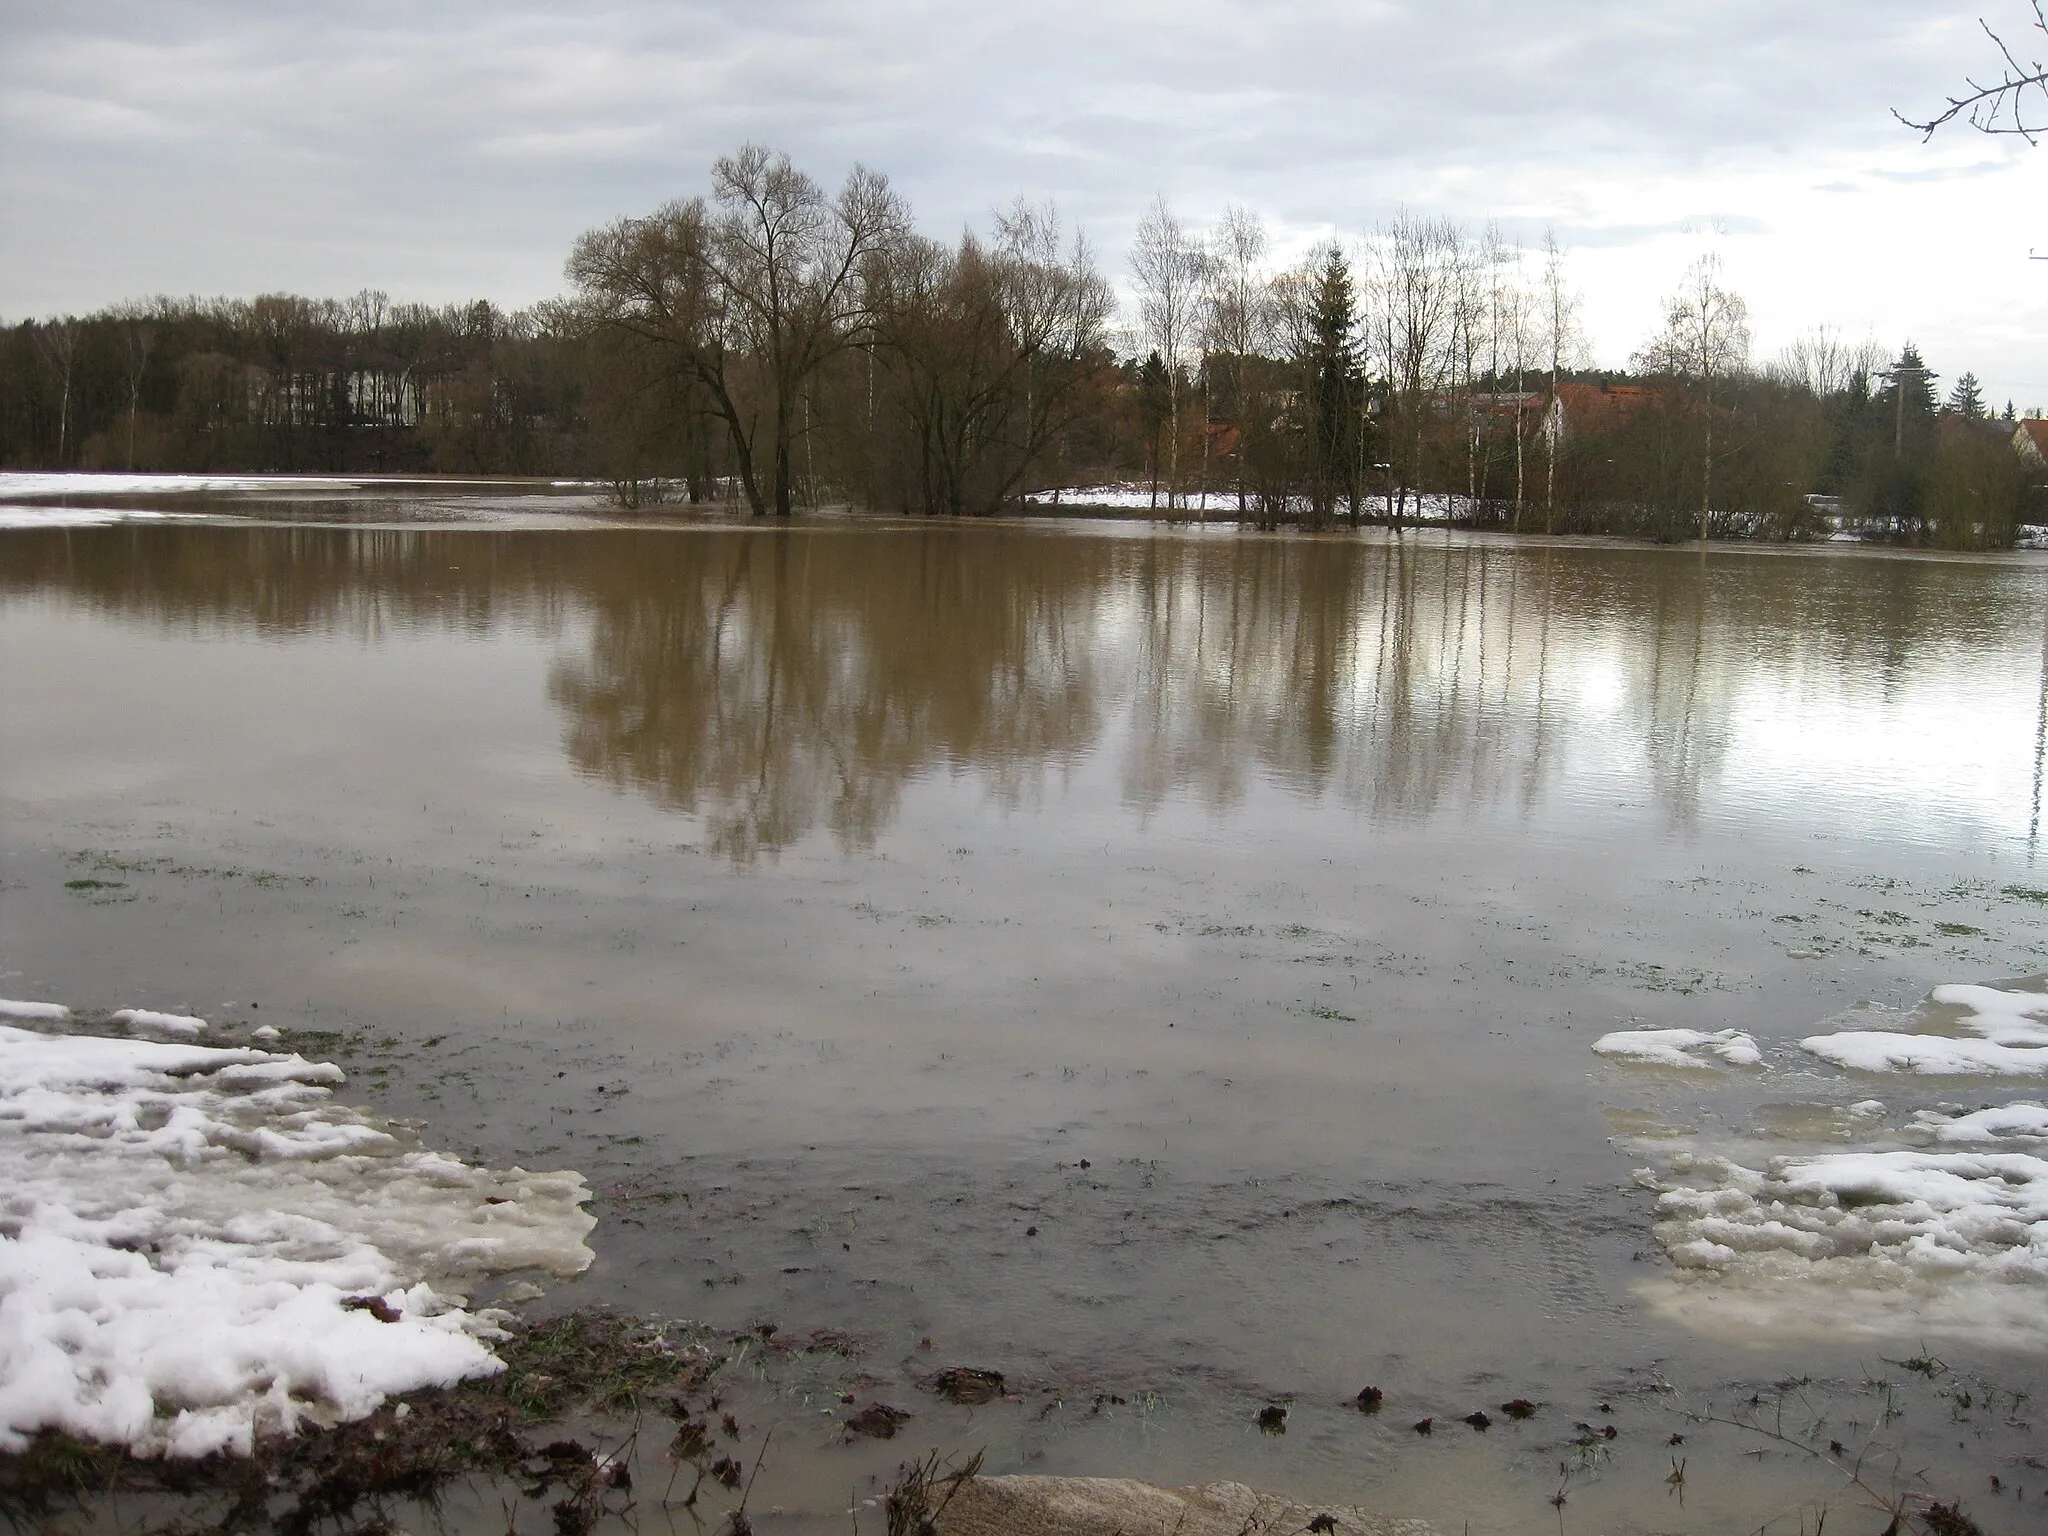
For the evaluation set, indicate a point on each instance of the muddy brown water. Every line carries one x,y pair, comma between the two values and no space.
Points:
1157,964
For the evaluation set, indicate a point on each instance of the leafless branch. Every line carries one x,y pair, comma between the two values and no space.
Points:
1999,108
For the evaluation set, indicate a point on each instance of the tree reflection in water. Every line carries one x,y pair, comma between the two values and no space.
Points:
775,681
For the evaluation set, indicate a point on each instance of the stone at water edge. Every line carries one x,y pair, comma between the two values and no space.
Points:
1122,1506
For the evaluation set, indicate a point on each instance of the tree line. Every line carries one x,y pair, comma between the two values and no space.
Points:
777,345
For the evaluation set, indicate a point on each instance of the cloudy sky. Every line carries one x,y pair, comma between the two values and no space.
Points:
453,150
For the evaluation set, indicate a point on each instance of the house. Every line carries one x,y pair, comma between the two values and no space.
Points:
1589,409
1222,438
2030,440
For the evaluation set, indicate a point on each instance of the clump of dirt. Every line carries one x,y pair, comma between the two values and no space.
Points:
967,1384
878,1420
407,1452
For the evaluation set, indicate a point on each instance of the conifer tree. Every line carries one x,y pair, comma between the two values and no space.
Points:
1332,370
1155,391
1967,398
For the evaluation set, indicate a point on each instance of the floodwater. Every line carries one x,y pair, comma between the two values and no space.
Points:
1161,965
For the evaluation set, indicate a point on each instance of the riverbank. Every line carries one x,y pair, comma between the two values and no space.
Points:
600,1423
34,499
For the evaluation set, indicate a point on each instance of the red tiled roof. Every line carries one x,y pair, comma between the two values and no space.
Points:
1591,407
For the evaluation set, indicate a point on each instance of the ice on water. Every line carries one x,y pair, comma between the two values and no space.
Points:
1935,1226
182,1225
1680,1047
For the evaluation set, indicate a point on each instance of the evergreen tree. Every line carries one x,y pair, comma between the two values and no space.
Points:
1967,398
1891,482
1334,383
1153,408
1909,403
1911,373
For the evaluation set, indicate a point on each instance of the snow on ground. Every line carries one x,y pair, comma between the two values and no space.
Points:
2007,1036
1679,1047
18,485
1131,496
84,517
190,1237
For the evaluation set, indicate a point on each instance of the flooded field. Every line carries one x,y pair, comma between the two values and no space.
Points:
1162,966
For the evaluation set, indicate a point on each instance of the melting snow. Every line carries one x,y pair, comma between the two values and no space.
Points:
1937,1227
14,1010
84,517
18,484
2010,1027
1951,1242
163,1023
182,1228
1679,1047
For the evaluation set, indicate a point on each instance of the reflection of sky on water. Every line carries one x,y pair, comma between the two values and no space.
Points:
782,682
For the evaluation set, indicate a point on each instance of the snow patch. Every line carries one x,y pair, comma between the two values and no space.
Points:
1679,1047
164,1023
2022,1124
2007,1036
183,1229
9,1009
85,517
1133,497
18,485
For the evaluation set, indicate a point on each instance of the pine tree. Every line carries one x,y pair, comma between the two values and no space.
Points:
1153,408
1967,398
1333,380
1908,398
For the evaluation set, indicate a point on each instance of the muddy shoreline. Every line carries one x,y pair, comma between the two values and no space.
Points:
601,1422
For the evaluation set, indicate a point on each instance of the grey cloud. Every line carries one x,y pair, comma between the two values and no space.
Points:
452,149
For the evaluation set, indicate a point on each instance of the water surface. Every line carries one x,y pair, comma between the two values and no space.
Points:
1158,965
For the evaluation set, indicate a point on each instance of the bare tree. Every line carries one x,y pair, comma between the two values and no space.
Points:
1236,316
750,301
1169,265
1414,294
1058,307
2000,107
988,348
138,338
1561,340
1509,348
57,341
1468,324
1704,341
1824,364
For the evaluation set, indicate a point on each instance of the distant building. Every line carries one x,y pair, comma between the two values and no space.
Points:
2030,440
1588,409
